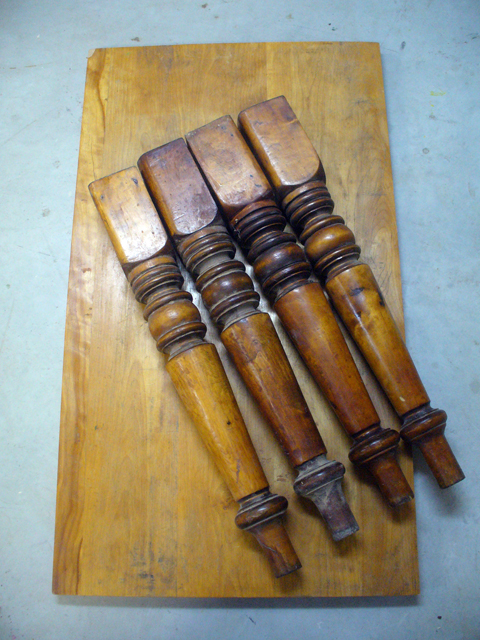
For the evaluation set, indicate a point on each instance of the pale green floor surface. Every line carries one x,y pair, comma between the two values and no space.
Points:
430,53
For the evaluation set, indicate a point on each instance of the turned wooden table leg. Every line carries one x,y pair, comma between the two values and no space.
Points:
207,251
246,200
294,168
147,258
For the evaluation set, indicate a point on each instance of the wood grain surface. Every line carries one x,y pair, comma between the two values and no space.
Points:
141,509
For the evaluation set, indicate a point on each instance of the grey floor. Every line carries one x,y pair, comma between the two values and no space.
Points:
430,51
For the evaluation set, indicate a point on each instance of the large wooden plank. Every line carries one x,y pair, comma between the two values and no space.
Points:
141,510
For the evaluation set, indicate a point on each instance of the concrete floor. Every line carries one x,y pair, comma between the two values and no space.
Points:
430,51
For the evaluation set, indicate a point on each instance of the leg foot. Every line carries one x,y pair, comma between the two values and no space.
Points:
376,450
320,480
425,427
260,514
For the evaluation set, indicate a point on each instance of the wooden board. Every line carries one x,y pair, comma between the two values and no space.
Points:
141,510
